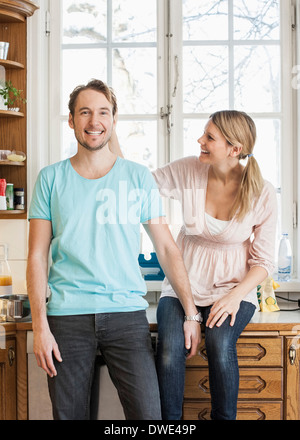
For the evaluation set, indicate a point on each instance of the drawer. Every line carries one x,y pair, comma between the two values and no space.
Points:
254,383
251,351
250,410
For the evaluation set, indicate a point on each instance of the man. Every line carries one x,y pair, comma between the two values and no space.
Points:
89,208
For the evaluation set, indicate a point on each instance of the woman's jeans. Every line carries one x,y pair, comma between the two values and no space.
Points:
220,345
125,344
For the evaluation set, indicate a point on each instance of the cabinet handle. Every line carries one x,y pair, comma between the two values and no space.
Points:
11,356
292,354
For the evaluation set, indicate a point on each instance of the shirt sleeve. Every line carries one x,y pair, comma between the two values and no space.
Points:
40,206
174,177
262,248
151,200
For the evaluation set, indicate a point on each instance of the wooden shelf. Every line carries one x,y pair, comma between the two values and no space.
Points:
11,114
12,163
11,64
13,214
12,211
13,29
16,11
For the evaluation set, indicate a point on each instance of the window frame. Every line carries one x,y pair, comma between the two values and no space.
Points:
44,119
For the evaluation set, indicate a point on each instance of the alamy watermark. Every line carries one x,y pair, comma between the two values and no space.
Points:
296,339
131,206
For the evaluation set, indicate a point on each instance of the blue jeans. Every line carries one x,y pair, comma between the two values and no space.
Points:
220,345
125,344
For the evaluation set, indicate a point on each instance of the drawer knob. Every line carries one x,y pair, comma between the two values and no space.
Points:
292,354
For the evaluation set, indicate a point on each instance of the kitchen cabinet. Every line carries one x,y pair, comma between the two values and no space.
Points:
8,378
13,29
269,361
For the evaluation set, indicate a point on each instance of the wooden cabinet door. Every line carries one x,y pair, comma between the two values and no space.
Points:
292,378
251,352
250,410
264,383
8,380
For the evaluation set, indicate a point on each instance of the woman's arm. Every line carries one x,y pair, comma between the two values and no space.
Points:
114,145
229,304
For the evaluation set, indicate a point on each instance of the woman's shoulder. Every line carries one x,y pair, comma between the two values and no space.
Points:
186,164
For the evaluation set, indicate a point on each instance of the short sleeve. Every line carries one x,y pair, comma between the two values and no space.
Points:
262,248
167,182
40,206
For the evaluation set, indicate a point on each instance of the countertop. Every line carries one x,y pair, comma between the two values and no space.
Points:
261,321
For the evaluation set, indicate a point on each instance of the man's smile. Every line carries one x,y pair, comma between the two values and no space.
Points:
94,133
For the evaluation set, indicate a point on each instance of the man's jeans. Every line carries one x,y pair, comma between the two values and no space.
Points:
125,344
220,345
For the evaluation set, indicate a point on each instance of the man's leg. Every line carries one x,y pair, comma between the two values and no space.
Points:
70,389
125,344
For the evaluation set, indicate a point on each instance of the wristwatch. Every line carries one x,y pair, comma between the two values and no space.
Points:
197,318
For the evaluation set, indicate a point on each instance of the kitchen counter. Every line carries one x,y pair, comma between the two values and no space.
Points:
277,321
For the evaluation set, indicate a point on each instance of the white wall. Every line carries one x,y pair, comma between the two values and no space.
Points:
14,233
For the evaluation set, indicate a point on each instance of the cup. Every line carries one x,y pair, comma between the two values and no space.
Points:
3,50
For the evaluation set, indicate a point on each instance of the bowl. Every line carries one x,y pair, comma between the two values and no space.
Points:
16,156
17,307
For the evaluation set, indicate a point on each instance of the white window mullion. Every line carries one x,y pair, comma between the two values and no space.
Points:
288,141
230,55
175,82
55,68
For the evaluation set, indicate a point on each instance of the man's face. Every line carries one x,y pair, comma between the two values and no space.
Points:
93,120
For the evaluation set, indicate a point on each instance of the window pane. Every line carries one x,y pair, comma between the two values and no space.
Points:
256,19
84,22
68,143
192,131
267,149
205,20
75,72
138,140
257,78
135,80
205,78
134,21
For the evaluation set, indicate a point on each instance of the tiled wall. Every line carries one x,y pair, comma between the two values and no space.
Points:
15,234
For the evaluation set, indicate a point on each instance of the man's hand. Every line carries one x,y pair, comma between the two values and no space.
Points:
192,337
45,347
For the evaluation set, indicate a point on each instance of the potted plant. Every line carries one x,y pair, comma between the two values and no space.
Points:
10,96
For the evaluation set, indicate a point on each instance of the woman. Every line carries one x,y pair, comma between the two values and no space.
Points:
227,242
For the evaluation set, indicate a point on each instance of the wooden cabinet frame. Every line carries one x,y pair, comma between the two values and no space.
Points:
13,131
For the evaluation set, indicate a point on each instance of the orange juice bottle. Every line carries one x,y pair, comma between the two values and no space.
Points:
5,272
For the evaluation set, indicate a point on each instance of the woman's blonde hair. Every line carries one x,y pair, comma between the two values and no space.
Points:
239,130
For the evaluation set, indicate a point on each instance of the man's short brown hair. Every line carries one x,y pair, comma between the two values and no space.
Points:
98,86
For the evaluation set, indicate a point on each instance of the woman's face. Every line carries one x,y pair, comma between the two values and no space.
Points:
214,147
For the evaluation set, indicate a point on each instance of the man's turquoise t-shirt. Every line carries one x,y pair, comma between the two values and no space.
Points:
96,236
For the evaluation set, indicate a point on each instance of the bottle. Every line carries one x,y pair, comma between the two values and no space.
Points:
5,272
284,259
3,205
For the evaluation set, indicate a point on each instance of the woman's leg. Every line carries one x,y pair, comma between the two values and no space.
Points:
171,356
220,345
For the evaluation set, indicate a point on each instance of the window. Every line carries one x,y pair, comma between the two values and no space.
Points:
172,63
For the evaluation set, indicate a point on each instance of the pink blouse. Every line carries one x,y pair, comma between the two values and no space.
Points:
217,263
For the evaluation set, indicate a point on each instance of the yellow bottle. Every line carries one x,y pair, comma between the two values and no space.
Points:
5,272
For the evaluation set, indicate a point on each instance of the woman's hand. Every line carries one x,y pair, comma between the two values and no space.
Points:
225,306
